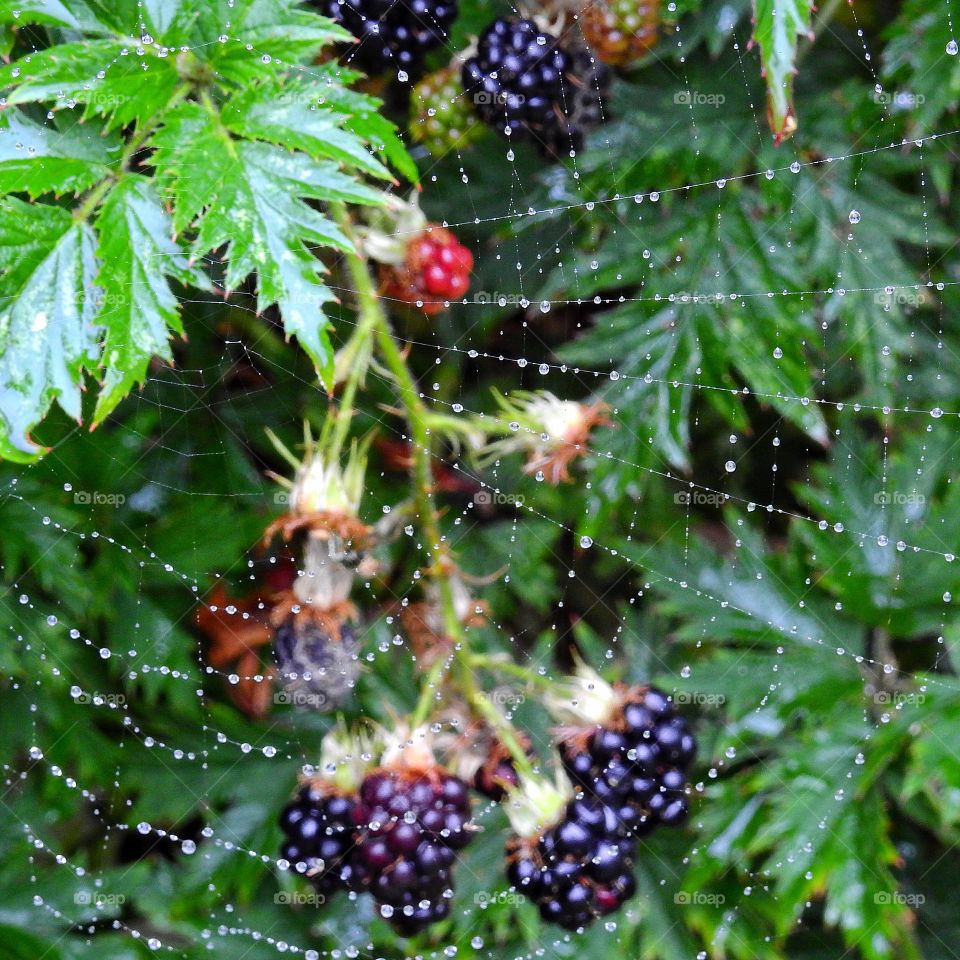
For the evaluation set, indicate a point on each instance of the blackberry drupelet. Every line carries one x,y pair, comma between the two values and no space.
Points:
392,34
526,84
318,827
409,826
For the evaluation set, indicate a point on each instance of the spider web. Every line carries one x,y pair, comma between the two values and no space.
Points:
186,428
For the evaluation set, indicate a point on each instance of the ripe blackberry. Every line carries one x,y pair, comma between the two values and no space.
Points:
318,827
526,84
436,268
392,34
620,31
409,825
578,869
635,761
318,662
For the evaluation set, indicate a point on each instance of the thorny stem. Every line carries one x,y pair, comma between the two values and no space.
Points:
374,319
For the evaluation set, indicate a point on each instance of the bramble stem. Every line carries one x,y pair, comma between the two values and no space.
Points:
374,319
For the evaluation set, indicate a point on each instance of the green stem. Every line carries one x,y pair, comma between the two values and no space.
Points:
511,668
371,311
95,196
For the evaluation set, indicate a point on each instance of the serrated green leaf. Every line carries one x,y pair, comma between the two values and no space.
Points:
139,309
37,158
74,14
291,118
123,82
777,28
47,336
252,202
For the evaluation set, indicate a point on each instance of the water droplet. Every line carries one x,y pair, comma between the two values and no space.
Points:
586,543
854,216
952,48
729,466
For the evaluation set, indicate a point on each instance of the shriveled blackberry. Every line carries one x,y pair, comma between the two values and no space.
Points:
392,34
318,662
319,835
524,83
635,761
409,825
577,870
498,773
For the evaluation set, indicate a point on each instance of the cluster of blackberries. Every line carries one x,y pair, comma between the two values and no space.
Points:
629,777
640,763
316,669
396,840
318,827
526,84
436,269
392,34
579,869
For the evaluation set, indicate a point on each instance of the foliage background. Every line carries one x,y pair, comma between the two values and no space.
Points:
809,617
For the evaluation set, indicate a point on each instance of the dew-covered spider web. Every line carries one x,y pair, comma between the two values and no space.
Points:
760,519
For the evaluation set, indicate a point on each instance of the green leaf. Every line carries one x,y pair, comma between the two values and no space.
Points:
116,79
139,309
777,28
291,118
37,158
47,270
250,198
73,14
